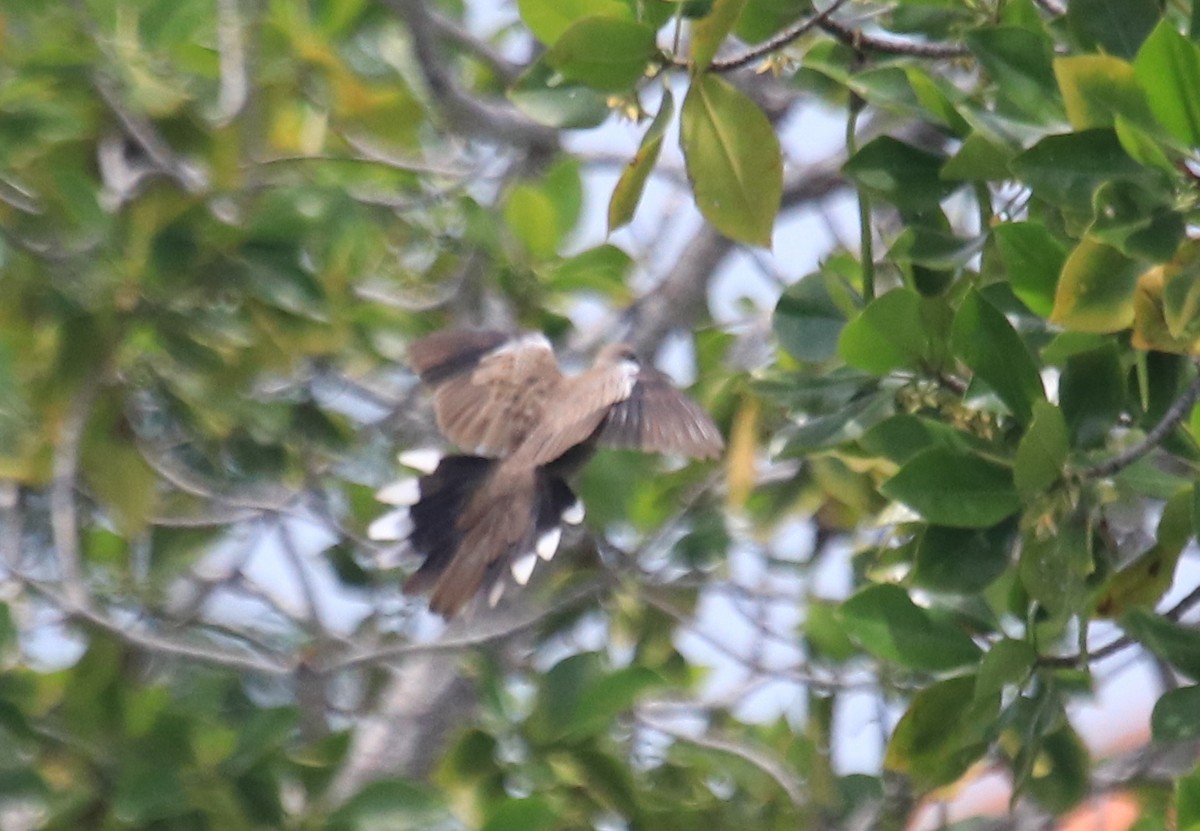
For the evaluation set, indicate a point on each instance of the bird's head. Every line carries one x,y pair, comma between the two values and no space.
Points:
617,353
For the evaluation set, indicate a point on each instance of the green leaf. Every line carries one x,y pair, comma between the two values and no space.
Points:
984,340
611,696
602,269
628,190
906,176
1146,579
549,99
1018,60
962,560
1033,259
548,19
1168,68
710,31
1097,88
808,317
944,731
762,18
389,803
1138,221
1187,801
1008,663
1060,777
1177,645
843,425
1176,718
885,622
826,636
1055,564
954,488
1042,452
892,332
903,436
146,792
1091,393
607,54
1095,291
1116,26
733,160
1067,169
530,814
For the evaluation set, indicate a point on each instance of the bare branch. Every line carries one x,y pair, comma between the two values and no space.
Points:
234,88
505,70
863,42
486,120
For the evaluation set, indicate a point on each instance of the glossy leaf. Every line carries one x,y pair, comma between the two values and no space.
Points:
892,332
1115,26
962,560
733,160
901,173
953,488
551,100
1018,60
809,317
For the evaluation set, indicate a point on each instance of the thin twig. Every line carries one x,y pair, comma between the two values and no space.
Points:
788,780
1176,413
863,42
765,48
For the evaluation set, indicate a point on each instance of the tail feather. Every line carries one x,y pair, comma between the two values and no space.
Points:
472,519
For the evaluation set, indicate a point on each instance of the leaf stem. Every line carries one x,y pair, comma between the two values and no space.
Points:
866,242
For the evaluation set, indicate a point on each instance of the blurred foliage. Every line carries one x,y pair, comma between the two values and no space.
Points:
220,223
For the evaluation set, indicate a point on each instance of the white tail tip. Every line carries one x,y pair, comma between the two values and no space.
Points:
574,513
522,567
391,527
424,459
405,491
547,543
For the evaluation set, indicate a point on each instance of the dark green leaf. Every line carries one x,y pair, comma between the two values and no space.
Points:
1177,645
1033,259
885,622
984,340
808,319
962,560
945,729
906,176
531,814
843,425
1116,26
954,488
1055,564
1007,663
1067,169
1091,393
1018,60
548,19
1176,718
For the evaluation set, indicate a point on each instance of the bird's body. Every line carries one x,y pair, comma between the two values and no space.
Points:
529,428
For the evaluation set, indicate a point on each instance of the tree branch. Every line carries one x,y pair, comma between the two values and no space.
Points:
465,114
863,42
1176,413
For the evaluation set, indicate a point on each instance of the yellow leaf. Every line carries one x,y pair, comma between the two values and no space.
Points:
743,447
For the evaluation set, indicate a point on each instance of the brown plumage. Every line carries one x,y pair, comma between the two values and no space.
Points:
529,427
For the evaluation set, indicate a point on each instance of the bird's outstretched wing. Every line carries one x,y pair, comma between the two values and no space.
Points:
658,418
489,389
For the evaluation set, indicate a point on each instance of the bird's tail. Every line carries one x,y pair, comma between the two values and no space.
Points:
473,520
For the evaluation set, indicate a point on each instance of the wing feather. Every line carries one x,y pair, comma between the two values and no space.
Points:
658,418
489,389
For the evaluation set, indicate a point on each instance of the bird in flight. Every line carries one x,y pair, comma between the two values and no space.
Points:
525,429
